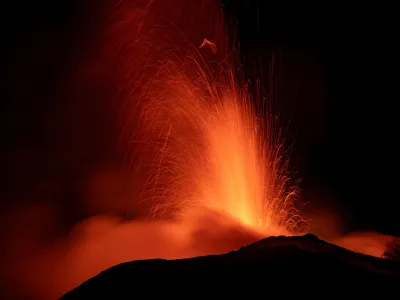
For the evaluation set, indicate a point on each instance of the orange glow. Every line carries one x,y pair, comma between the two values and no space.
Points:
195,139
207,163
209,150
212,46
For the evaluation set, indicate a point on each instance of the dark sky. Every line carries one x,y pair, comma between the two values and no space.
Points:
347,135
336,85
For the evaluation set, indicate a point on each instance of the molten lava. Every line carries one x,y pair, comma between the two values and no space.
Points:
201,141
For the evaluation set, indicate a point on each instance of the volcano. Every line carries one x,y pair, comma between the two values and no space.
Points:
266,264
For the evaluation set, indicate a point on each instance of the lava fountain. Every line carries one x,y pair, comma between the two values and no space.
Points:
194,135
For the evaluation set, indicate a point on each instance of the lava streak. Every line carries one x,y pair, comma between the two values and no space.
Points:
197,139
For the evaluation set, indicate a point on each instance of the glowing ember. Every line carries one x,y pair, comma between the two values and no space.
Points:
212,46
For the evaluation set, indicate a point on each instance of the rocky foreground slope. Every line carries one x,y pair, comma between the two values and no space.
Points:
273,267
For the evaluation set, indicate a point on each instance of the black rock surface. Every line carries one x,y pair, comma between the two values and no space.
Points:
273,267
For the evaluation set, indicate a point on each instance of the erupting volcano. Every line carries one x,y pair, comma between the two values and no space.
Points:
209,166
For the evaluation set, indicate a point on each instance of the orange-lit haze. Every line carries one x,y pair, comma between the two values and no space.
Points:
206,162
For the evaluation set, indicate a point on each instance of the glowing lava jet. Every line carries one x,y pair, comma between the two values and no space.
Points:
200,143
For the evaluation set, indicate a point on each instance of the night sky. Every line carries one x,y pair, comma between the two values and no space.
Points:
346,135
336,85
